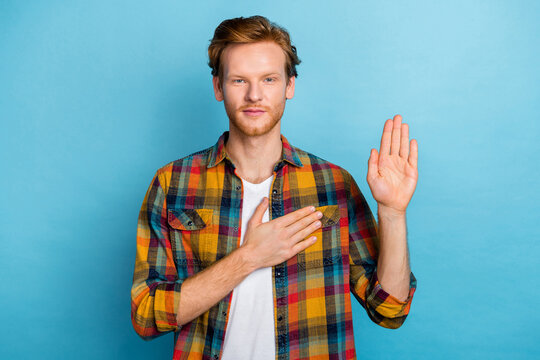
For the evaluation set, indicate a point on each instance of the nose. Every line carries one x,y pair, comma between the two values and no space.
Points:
254,93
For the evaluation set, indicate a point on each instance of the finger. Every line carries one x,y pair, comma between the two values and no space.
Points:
386,138
413,155
373,164
396,135
257,217
404,149
288,219
304,222
303,245
304,233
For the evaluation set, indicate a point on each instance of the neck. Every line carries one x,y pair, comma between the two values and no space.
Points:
254,156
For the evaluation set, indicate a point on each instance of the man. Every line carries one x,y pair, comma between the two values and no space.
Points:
250,249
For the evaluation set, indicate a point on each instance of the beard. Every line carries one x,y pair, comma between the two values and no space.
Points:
258,126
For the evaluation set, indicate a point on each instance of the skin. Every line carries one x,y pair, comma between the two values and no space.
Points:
392,177
254,77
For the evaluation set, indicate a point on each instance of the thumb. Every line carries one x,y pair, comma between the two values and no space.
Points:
373,162
257,217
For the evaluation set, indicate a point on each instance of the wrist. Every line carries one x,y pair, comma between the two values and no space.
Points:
390,213
247,259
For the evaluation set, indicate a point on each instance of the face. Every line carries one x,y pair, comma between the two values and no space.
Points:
254,87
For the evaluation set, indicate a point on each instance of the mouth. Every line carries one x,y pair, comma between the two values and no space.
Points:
253,112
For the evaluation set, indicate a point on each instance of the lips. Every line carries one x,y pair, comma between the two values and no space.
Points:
253,111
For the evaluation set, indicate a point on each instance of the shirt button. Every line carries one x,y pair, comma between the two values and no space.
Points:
190,223
216,356
274,192
238,187
235,229
280,318
224,313
278,273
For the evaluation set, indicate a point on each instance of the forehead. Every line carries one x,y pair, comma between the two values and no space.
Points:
252,59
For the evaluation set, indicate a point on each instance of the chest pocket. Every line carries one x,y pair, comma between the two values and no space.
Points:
327,249
193,229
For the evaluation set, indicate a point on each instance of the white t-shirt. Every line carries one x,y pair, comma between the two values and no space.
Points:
250,329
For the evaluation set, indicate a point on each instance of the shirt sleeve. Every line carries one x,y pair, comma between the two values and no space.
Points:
382,308
155,292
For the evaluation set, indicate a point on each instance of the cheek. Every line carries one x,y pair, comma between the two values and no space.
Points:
227,100
277,95
232,97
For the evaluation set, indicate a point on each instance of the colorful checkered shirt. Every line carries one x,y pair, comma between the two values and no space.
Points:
190,218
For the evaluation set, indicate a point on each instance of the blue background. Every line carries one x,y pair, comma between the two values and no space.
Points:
96,95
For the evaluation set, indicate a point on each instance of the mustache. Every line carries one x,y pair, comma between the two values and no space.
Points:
260,107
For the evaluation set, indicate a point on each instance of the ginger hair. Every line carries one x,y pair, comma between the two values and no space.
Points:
252,29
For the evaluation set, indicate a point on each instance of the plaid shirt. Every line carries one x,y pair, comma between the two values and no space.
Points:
190,218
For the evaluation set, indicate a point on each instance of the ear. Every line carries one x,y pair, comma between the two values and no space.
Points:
289,91
218,92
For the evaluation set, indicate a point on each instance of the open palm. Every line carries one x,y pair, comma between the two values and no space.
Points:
393,173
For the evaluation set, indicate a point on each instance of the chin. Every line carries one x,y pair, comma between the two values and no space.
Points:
253,131
248,130
257,131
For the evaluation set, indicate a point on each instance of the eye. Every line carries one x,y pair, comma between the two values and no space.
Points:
237,81
269,79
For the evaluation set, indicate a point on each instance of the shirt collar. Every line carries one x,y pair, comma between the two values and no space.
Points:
218,153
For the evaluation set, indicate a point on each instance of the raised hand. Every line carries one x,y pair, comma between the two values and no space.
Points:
276,241
393,173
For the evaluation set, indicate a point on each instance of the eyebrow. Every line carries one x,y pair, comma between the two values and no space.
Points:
266,75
